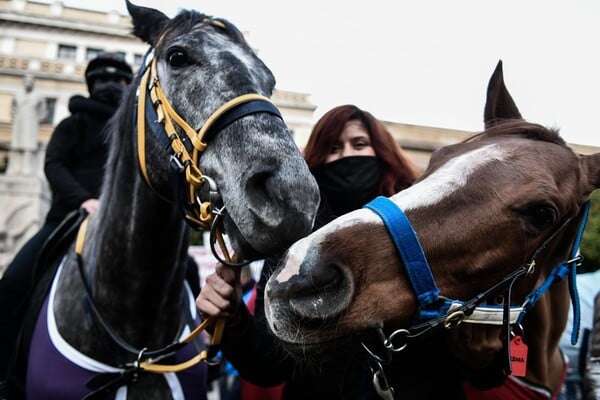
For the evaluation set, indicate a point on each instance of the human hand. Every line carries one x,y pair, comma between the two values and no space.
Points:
90,205
221,295
475,345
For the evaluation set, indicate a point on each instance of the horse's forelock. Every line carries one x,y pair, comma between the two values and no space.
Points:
187,20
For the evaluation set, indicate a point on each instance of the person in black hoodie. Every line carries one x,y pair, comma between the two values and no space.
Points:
74,166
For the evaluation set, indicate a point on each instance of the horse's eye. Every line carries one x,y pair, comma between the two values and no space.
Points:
541,216
177,58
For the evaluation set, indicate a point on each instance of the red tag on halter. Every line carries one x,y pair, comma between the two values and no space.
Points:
518,356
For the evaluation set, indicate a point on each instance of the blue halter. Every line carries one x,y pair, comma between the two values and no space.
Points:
418,270
411,252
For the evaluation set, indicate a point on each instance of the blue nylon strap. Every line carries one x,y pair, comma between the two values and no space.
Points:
573,275
557,275
410,250
562,270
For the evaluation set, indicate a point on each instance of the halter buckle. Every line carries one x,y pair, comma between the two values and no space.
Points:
578,259
454,319
530,268
175,159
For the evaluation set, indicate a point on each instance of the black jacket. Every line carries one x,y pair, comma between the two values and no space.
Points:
76,155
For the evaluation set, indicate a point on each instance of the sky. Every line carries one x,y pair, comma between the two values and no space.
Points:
424,62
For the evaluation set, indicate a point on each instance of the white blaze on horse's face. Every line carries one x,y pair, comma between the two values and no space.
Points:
443,182
452,176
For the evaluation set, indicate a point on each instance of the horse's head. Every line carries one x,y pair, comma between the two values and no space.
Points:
483,209
218,133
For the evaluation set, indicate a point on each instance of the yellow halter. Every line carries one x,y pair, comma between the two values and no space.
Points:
186,158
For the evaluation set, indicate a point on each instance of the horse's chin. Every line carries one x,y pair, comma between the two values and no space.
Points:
247,248
245,251
316,353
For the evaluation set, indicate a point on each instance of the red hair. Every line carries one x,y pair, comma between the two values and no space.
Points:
398,171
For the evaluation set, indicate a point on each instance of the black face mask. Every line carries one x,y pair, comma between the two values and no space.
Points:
349,183
107,92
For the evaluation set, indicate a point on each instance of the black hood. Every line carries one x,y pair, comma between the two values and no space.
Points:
79,104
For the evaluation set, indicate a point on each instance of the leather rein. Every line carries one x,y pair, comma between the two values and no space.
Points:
438,311
154,114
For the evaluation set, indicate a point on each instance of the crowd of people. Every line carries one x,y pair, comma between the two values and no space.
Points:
353,158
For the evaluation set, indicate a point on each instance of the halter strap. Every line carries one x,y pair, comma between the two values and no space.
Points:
451,312
564,269
154,112
411,252
147,360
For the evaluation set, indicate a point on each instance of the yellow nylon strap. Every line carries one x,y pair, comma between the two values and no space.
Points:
215,340
220,324
168,111
164,368
168,115
81,236
215,22
141,126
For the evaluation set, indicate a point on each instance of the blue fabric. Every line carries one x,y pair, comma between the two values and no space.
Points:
411,252
588,288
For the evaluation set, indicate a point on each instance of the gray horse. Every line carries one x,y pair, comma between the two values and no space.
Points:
196,140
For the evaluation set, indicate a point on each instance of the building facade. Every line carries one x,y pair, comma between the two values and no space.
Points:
53,43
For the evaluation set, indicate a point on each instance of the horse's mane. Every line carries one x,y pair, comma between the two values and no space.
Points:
119,130
522,128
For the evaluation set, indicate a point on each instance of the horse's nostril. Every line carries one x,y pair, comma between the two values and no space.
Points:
325,277
263,195
324,293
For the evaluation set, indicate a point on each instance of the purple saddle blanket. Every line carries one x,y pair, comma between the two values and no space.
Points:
56,370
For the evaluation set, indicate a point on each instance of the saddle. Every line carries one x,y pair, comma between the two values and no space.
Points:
47,263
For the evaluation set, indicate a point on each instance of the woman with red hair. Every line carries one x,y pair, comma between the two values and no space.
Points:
354,159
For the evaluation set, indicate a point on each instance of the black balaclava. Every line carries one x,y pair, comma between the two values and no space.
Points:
349,183
108,92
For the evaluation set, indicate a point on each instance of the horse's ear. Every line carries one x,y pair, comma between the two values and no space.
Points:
499,104
591,164
148,23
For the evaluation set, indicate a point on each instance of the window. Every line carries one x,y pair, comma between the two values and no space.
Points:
137,60
121,54
50,107
91,53
66,52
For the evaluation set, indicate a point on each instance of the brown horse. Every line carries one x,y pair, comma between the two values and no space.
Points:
494,220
